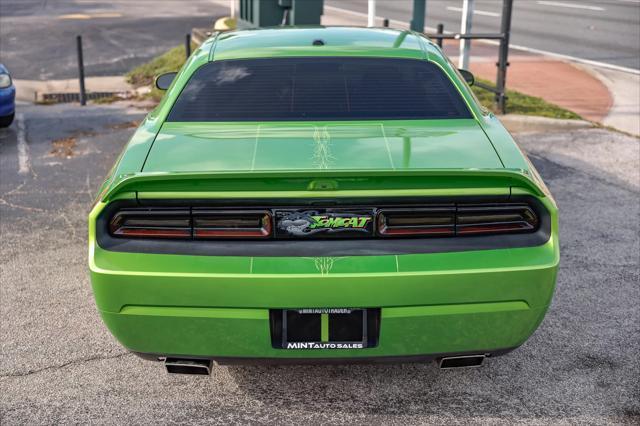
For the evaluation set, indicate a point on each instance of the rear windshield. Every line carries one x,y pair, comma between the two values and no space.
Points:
282,89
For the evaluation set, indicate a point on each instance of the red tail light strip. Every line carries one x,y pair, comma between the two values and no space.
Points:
157,233
415,231
492,228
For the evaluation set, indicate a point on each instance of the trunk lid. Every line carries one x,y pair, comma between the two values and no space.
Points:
246,147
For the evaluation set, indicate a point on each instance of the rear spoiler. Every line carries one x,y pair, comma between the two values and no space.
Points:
326,183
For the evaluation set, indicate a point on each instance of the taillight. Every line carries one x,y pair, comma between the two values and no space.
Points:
495,219
209,223
231,224
164,223
461,220
190,223
429,221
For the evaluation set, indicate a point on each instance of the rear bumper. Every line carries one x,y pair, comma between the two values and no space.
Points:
218,307
405,332
323,361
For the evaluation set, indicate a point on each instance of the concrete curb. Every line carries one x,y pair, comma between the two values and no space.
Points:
33,90
225,23
199,35
531,124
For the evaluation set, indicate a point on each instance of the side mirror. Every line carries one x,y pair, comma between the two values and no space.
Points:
163,81
468,77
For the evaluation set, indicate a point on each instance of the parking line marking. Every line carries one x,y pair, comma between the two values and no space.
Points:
475,12
24,164
84,16
75,16
567,57
571,5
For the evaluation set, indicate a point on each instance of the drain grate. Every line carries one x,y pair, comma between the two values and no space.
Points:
75,97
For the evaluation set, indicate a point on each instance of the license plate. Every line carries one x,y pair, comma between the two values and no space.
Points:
324,328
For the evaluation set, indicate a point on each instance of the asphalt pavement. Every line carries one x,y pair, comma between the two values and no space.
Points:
61,365
38,37
605,31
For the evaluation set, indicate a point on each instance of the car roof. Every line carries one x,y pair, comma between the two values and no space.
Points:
329,41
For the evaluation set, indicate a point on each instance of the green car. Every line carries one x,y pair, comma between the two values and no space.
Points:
317,195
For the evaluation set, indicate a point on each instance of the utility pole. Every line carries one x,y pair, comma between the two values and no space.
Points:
503,54
417,20
465,28
371,13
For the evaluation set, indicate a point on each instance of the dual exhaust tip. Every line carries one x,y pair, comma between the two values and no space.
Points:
462,361
202,367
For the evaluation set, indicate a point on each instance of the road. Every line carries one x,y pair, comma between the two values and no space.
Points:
600,30
37,37
60,365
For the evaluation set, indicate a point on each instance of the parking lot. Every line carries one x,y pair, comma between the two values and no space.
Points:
61,365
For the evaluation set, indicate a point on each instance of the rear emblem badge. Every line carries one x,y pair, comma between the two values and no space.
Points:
301,223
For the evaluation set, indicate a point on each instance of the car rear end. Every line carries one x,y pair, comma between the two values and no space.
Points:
208,274
333,208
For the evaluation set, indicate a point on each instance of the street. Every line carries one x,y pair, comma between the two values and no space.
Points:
37,37
61,365
121,34
606,31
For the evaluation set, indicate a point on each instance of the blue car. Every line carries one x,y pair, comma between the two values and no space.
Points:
7,98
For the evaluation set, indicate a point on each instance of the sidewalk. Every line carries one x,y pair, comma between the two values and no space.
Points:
600,95
32,90
625,87
561,83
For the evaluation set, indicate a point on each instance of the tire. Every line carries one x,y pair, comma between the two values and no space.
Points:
5,121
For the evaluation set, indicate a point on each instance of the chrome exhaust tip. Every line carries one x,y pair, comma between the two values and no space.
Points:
463,361
188,366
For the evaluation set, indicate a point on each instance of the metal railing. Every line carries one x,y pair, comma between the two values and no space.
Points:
503,52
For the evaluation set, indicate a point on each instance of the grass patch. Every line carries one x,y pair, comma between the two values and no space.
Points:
144,75
517,103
